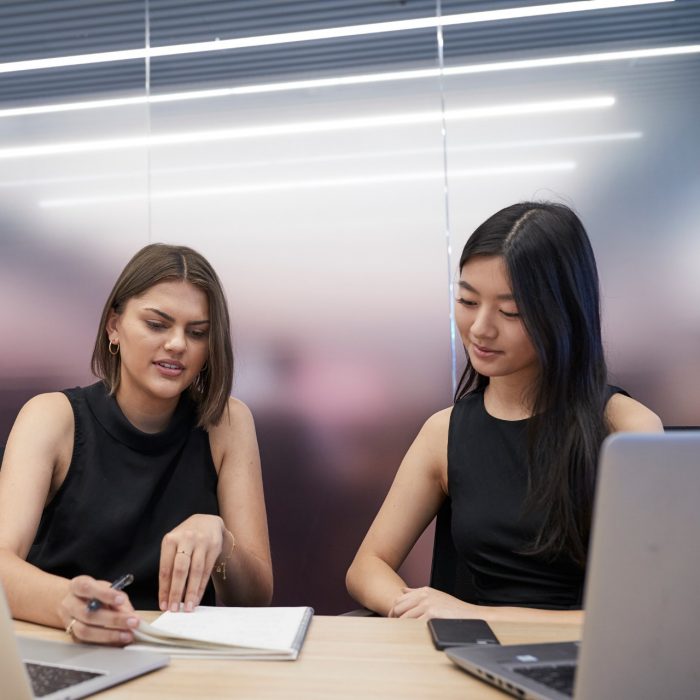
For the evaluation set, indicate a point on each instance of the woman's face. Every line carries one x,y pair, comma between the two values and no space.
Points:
163,338
487,318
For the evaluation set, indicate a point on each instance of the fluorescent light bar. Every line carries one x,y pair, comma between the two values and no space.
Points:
631,54
319,34
369,78
562,141
563,166
315,127
339,157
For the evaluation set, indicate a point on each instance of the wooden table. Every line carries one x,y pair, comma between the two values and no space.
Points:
343,657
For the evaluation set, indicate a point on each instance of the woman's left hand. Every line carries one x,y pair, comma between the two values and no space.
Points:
187,557
426,602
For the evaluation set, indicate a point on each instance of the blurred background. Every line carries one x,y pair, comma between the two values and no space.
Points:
331,159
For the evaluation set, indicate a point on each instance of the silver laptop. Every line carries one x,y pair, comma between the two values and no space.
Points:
33,668
641,635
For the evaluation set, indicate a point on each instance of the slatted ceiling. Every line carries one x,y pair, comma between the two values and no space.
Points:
652,80
47,28
312,59
32,87
44,28
672,24
179,21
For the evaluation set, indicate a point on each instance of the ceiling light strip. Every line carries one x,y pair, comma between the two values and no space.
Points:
320,34
524,64
313,127
316,83
338,157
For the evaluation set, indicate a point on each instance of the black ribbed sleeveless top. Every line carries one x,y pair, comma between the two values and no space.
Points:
491,529
124,490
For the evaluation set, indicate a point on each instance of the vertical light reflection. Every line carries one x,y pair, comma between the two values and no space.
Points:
448,236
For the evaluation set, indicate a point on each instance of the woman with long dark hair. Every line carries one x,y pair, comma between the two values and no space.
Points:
516,454
153,471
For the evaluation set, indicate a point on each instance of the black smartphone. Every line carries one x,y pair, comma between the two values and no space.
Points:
459,632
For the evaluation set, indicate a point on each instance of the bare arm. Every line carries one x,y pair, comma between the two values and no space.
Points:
232,549
242,506
424,603
412,502
627,415
32,453
36,459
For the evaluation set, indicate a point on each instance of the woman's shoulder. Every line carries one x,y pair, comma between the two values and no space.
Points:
432,439
439,423
44,426
236,420
625,414
52,408
237,414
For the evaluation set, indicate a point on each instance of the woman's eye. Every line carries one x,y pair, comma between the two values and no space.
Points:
197,334
155,325
466,302
511,314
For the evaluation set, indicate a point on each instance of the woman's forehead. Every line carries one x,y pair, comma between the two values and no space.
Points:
176,295
486,273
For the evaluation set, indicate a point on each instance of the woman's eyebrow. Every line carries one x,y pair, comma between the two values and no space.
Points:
168,317
469,288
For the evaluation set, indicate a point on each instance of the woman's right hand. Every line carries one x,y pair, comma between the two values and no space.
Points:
113,623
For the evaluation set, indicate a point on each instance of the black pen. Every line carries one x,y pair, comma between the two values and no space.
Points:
120,584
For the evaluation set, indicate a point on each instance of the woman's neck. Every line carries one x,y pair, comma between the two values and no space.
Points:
148,416
508,398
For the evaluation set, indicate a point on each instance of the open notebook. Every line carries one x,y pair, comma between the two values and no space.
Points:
228,633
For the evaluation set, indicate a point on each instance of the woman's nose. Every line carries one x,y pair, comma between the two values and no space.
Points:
176,341
483,325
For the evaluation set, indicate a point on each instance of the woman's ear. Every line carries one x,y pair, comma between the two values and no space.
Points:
111,326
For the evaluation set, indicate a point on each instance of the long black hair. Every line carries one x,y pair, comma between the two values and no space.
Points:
554,281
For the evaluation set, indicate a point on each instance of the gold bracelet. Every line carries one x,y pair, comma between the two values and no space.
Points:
221,566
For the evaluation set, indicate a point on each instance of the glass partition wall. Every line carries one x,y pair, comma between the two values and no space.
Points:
331,159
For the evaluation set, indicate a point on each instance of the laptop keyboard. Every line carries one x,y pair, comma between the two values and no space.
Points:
560,677
49,679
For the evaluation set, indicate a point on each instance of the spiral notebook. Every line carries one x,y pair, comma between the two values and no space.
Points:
228,633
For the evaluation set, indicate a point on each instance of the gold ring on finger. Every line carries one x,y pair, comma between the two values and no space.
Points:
69,629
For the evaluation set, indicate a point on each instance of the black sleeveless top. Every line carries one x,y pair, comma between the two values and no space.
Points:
124,491
488,484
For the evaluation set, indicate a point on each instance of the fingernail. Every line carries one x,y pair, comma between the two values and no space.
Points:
119,599
189,605
133,622
124,637
174,607
163,605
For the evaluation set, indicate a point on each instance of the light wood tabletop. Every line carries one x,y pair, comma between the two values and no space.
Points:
342,657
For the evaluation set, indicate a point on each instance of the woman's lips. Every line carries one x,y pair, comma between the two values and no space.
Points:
169,368
484,352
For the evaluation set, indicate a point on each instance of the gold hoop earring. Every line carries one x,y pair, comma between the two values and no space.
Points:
109,347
